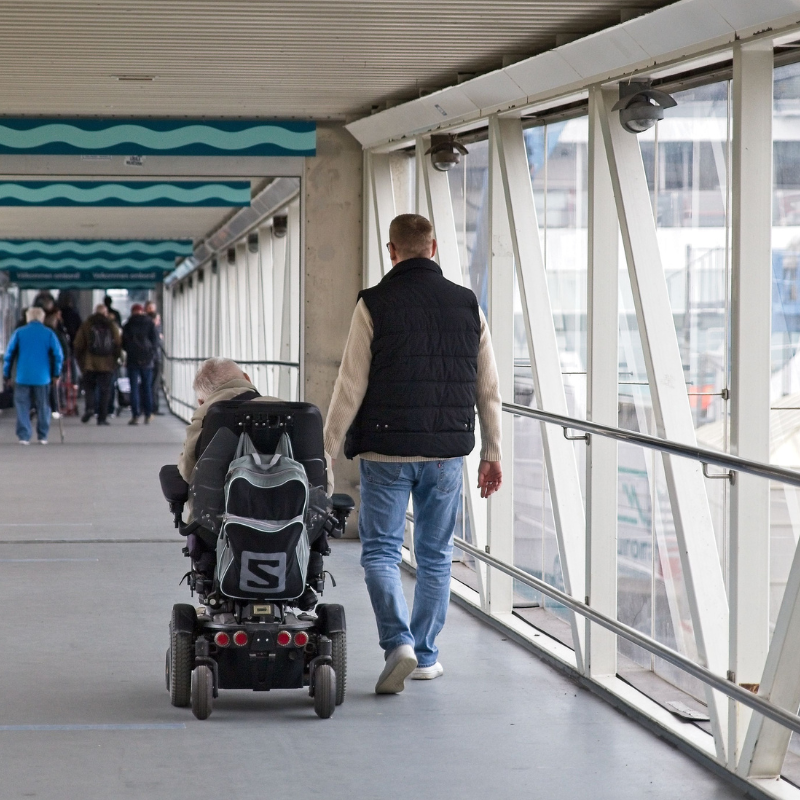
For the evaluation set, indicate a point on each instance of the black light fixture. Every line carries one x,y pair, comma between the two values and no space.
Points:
445,152
640,106
231,255
214,265
252,242
280,225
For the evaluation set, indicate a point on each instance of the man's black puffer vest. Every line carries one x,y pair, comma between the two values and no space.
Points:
420,400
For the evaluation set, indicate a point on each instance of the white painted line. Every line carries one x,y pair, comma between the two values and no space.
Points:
46,524
41,560
108,727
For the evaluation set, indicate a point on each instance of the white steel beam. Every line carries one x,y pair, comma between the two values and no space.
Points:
383,199
601,398
290,327
548,382
689,501
500,533
440,204
372,262
766,742
751,317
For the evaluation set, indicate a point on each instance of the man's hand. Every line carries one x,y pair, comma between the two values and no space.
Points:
490,477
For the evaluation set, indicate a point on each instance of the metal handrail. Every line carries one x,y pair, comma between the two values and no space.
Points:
702,454
199,359
728,688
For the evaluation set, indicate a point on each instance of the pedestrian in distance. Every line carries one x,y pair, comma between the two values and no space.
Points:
151,310
97,347
112,312
34,351
417,362
140,343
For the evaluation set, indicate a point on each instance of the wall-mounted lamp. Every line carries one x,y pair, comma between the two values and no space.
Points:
252,242
640,106
445,152
279,226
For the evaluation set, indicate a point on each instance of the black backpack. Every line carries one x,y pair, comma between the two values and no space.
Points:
140,348
101,340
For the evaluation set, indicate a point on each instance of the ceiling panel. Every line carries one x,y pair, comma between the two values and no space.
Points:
305,59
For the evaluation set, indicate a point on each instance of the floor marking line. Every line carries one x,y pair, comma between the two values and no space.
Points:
42,560
46,524
92,541
100,727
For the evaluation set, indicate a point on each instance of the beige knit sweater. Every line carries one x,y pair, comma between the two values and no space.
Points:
351,386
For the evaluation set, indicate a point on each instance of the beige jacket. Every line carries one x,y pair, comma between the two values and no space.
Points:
228,391
351,386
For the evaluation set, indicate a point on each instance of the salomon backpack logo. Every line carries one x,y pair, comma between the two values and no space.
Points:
262,572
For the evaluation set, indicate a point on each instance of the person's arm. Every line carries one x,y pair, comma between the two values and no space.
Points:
11,351
351,383
490,411
117,333
58,355
79,345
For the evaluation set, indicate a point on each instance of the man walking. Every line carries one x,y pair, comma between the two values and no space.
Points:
417,361
151,310
39,357
140,342
97,347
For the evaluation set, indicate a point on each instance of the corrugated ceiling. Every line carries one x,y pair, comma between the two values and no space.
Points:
312,59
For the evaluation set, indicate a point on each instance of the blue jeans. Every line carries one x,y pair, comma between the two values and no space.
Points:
435,487
26,395
141,381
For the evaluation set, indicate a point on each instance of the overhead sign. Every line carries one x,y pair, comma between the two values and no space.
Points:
30,249
124,193
158,137
85,278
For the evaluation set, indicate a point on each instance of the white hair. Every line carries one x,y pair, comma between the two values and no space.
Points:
34,313
213,373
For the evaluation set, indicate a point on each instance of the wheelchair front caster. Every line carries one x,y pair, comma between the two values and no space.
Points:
324,691
202,691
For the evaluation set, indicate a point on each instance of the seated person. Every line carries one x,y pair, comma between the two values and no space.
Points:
217,379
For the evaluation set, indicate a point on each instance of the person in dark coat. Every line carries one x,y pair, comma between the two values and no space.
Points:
140,343
97,347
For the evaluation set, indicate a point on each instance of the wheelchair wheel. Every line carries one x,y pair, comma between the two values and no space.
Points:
324,691
339,658
181,630
202,691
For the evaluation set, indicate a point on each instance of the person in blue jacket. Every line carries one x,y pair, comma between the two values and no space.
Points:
38,355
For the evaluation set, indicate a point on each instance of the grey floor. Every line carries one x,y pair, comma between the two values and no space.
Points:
84,627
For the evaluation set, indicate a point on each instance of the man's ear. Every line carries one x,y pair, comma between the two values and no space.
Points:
200,401
246,376
434,248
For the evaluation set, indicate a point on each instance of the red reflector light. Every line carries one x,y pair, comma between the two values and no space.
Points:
222,639
284,638
301,639
240,638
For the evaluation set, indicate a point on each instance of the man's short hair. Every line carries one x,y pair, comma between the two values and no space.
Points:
412,235
213,373
100,308
34,314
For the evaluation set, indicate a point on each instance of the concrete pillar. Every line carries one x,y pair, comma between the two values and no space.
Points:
332,268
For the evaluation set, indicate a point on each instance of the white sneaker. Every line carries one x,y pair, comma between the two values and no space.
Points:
427,673
400,663
42,441
56,415
24,441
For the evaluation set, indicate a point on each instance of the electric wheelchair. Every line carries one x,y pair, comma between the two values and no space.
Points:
258,625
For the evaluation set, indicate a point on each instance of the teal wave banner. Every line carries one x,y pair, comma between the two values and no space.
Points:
158,137
26,250
124,193
85,279
50,264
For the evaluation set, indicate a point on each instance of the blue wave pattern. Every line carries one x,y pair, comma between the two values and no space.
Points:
158,137
26,249
129,193
47,264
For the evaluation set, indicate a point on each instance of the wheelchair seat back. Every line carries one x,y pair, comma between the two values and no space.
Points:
265,422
